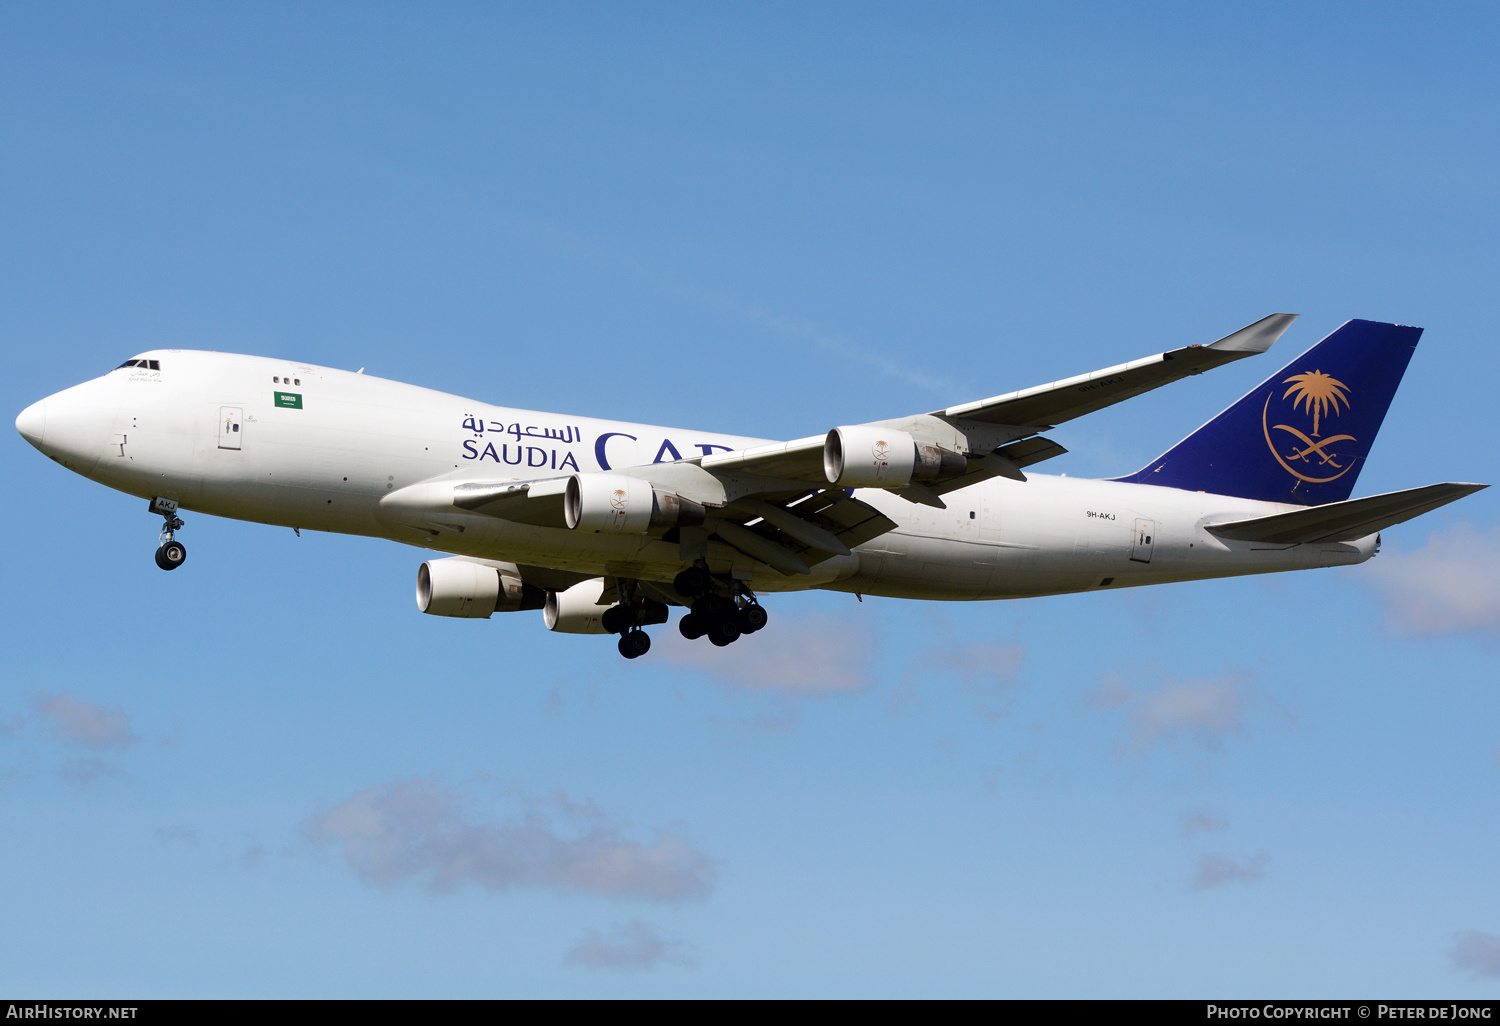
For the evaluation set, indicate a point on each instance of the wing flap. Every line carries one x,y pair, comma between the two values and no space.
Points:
849,520
827,524
1005,461
1030,450
1347,520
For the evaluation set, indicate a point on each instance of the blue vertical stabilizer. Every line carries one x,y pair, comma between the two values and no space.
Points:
1303,434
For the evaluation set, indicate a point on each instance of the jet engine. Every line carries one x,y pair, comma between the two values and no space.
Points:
870,456
577,610
618,504
462,587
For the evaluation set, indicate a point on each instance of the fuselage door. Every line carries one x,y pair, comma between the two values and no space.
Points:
1140,544
229,427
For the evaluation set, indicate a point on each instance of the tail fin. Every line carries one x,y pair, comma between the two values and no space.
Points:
1303,434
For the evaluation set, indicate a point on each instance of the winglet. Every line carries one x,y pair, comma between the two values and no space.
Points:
1257,337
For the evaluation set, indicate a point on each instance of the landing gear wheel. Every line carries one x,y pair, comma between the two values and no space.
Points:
692,582
171,555
710,607
724,632
634,644
617,619
692,627
752,618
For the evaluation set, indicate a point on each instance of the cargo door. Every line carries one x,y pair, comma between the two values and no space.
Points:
1140,544
230,422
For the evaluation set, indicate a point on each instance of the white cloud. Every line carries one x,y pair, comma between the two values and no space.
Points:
1219,870
1205,709
84,724
633,946
1476,953
986,669
417,830
813,654
1201,821
1450,585
82,772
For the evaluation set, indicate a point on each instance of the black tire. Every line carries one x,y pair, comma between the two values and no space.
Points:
752,618
710,607
634,644
724,632
617,620
171,555
692,627
692,582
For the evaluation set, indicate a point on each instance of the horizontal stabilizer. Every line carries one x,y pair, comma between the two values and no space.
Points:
1344,521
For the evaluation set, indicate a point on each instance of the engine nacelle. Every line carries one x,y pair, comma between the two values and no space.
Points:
619,504
457,587
869,456
577,610
461,587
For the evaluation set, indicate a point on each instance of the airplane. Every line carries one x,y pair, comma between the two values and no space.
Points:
605,526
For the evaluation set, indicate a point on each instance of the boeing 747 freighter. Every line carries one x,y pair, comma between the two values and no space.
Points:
605,526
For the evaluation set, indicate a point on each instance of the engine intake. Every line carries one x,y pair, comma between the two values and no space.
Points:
619,504
869,456
577,610
464,588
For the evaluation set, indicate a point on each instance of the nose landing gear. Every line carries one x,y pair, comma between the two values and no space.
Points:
170,553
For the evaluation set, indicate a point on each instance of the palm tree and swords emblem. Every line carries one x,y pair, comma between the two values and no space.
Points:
1320,395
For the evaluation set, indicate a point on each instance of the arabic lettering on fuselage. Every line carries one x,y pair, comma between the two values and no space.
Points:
565,435
483,445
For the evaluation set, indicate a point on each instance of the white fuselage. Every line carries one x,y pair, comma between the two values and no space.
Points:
209,431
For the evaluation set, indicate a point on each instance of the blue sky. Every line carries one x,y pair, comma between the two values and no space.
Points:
268,775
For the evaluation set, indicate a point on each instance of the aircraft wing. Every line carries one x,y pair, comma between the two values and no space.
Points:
977,430
1047,405
776,502
787,525
1344,521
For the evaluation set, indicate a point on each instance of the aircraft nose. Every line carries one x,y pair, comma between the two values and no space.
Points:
32,423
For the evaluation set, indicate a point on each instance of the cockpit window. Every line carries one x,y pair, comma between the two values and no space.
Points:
142,364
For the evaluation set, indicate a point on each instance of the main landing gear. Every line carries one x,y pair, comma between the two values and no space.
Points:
721,610
170,553
627,618
721,618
